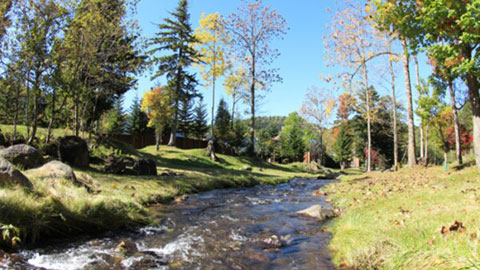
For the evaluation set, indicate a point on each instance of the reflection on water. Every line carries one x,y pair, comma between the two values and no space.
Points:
251,228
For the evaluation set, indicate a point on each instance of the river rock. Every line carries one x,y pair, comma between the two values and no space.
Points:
126,247
10,175
23,155
318,211
74,151
145,166
319,193
272,242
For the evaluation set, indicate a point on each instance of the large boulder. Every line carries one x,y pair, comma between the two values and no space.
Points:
10,175
74,151
318,211
55,170
23,155
145,166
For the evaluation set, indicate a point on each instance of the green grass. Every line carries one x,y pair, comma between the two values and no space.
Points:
394,220
57,208
41,132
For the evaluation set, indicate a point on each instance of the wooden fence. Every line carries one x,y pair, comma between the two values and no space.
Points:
141,141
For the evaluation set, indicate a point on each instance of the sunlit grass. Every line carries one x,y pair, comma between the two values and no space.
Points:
394,220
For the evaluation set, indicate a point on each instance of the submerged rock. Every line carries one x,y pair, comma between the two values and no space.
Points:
10,175
318,211
23,155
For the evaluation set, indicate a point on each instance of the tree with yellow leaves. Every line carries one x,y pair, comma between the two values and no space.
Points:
156,104
236,84
212,39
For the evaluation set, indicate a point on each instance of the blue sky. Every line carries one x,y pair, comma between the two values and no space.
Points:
302,51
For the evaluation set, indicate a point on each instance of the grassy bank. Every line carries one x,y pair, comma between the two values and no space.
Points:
57,208
395,220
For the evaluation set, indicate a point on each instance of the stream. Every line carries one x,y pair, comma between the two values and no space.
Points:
247,228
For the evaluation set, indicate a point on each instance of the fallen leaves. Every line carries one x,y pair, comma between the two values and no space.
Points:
455,227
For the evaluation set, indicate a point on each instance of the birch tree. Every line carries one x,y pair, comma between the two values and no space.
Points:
252,29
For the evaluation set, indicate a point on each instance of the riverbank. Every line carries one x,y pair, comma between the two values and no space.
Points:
407,220
59,209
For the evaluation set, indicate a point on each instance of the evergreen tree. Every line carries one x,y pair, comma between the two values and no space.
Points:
174,41
137,120
223,132
200,127
116,118
186,117
343,147
292,144
240,133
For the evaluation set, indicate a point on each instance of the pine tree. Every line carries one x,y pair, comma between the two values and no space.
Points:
292,144
342,147
223,132
200,127
138,120
186,117
116,118
176,37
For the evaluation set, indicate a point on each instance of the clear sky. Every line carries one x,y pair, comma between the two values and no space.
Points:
302,51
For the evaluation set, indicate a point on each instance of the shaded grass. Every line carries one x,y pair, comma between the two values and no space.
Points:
57,208
393,220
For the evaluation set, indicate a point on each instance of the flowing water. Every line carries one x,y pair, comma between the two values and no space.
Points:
250,228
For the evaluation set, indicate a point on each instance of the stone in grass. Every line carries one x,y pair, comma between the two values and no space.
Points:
247,168
145,166
9,175
23,155
58,170
54,169
319,212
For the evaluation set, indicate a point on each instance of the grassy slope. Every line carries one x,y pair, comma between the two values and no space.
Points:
394,220
57,208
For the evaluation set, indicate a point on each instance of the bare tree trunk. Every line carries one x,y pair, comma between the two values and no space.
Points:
473,87
173,133
426,146
369,133
15,116
35,116
412,160
422,137
455,123
233,107
252,108
50,123
394,104
213,84
445,160
76,108
158,139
